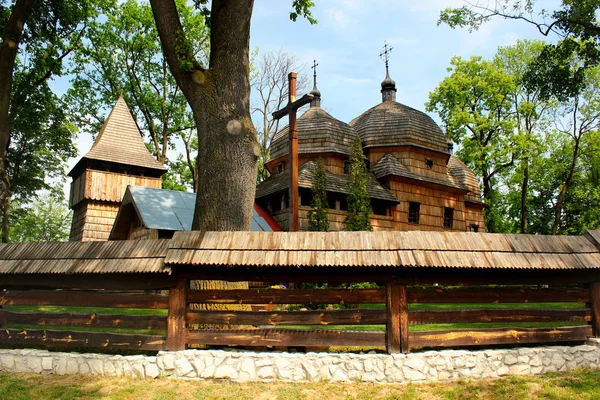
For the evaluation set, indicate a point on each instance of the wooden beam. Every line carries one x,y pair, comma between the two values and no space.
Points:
392,327
499,315
496,295
302,101
84,320
487,337
595,307
286,337
176,328
87,281
76,339
82,299
294,296
320,317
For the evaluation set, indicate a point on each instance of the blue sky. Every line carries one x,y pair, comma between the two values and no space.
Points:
350,35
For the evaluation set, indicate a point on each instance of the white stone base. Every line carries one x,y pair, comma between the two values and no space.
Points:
244,366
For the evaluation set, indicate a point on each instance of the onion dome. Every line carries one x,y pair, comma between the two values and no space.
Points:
393,124
318,132
388,88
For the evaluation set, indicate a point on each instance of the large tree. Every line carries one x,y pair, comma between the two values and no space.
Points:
219,96
359,201
475,104
121,53
37,36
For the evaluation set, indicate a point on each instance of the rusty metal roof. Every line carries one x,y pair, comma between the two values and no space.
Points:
379,249
131,256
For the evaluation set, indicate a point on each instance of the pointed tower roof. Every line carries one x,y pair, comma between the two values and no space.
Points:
119,142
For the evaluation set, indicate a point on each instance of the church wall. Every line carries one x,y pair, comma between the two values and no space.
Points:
432,203
474,216
93,221
107,186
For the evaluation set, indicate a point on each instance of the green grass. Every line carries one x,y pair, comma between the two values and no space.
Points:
581,384
86,310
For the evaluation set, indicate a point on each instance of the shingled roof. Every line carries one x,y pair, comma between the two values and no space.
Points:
120,142
466,178
393,124
390,165
412,249
335,183
318,132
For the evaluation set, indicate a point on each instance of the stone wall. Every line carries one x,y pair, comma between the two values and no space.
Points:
243,366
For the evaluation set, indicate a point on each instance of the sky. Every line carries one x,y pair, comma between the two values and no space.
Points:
349,37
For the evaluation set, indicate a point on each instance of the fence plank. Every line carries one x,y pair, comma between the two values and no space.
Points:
286,337
500,315
82,299
497,295
295,296
85,320
51,338
392,333
486,337
318,317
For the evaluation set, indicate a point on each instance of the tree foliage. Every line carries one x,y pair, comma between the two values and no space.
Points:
359,201
318,220
46,219
121,54
475,105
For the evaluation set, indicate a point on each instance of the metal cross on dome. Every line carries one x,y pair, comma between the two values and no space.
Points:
314,68
385,53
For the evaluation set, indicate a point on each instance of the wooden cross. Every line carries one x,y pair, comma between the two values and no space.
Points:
290,109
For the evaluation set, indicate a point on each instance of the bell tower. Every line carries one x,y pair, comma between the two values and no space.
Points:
118,158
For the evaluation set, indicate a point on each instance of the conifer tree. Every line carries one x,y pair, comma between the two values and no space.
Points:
359,203
318,220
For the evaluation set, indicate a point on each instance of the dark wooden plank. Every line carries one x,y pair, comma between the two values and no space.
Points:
594,306
51,338
85,320
319,317
82,299
500,315
293,296
496,295
286,337
487,337
176,319
392,331
403,312
383,275
140,281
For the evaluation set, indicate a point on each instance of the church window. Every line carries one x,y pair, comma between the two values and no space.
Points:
414,209
346,167
429,163
448,217
474,228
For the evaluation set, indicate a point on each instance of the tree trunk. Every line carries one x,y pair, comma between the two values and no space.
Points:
8,53
563,189
220,101
6,219
490,225
524,190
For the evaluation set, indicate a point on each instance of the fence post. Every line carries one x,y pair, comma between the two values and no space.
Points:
595,307
176,320
397,318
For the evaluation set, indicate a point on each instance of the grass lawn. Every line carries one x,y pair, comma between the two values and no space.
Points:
578,384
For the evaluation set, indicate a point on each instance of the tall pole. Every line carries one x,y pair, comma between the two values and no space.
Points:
293,154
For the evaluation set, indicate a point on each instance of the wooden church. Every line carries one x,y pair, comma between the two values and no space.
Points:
414,181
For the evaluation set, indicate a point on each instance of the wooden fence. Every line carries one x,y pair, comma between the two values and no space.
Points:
394,308
68,329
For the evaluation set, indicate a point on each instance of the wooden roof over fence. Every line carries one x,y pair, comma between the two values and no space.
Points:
385,249
414,249
114,257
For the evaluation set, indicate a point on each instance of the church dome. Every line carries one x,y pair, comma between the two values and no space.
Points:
393,124
318,132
